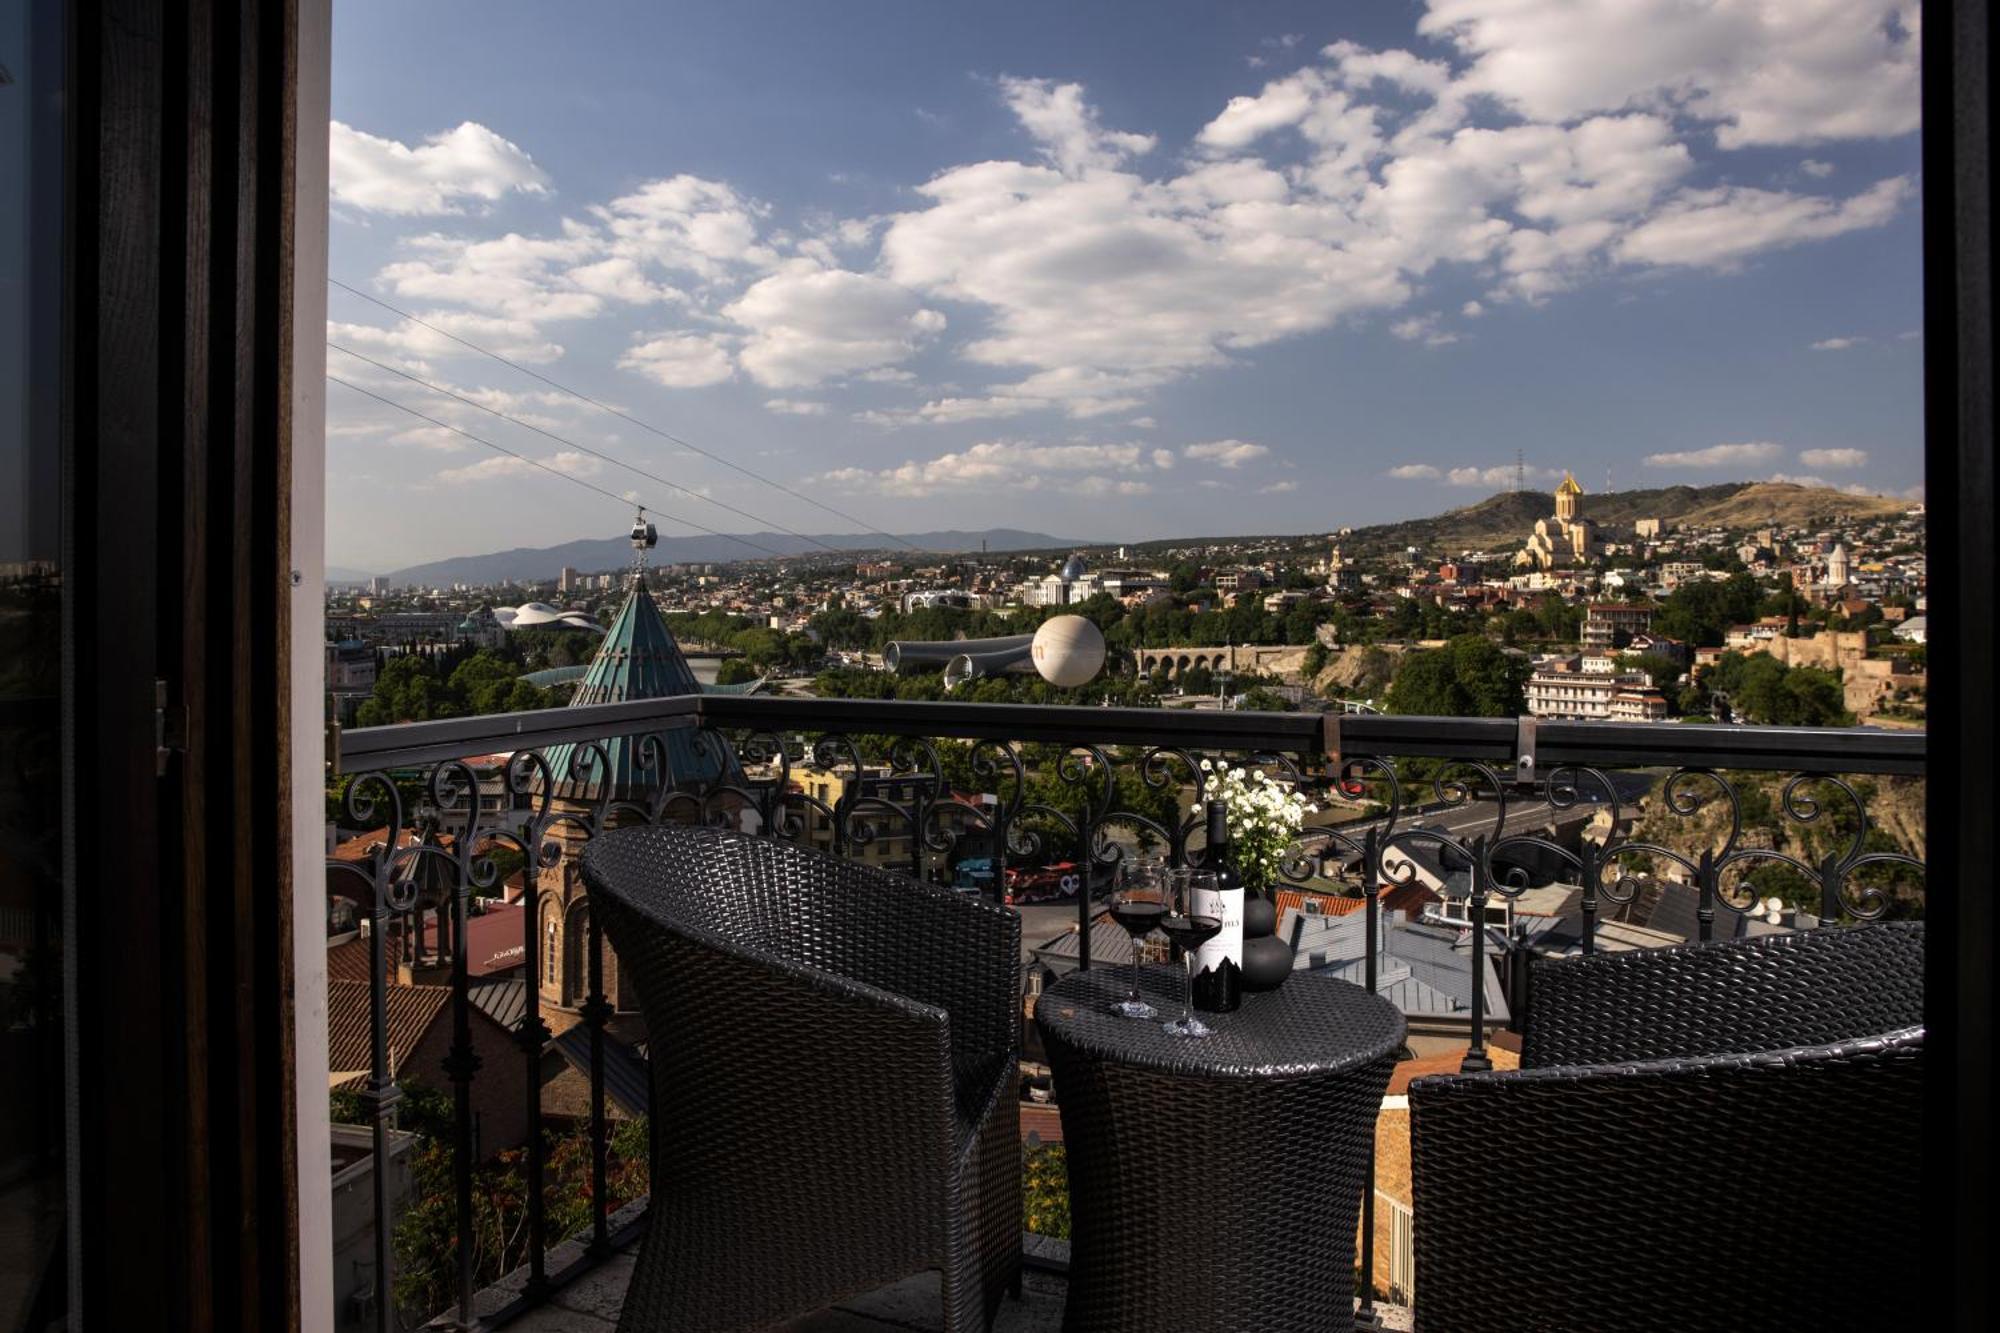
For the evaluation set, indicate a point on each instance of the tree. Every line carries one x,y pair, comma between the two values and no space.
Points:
1469,677
1663,671
735,671
1762,689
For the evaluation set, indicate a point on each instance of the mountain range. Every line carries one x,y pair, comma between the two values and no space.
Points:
596,555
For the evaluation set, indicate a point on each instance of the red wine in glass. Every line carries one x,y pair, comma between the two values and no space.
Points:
1138,903
1189,933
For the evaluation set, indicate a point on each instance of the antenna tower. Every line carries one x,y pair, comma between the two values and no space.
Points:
1520,472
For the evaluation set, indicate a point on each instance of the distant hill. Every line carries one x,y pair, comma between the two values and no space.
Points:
596,555
1504,519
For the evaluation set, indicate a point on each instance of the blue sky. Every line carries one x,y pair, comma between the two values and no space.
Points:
1115,271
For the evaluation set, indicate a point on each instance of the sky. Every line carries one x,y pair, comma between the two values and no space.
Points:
1109,271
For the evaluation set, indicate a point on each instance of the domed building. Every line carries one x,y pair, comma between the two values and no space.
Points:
638,659
1567,539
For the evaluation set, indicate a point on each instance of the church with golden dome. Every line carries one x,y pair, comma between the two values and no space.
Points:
1567,539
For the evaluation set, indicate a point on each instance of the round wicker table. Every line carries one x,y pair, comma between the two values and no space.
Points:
1215,1182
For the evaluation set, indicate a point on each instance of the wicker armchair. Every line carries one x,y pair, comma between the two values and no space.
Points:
834,1079
1713,1136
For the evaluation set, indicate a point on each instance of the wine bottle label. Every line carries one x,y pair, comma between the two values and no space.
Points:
1226,904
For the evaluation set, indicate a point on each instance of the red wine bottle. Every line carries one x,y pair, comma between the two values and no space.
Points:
1218,963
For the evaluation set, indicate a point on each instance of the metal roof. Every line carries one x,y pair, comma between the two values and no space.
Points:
639,659
627,1080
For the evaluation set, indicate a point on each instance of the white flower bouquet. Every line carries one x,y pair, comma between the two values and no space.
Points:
1264,816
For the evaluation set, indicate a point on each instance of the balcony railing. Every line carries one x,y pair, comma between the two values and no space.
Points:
1494,807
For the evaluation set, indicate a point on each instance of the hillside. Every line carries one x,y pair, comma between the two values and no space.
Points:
1503,520
595,555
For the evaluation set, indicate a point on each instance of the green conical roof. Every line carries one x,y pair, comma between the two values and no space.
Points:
638,659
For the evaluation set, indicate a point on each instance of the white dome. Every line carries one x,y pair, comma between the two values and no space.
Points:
1068,651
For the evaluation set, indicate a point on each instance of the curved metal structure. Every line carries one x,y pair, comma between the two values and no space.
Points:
906,656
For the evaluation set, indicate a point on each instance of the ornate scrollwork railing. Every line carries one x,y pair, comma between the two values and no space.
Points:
924,788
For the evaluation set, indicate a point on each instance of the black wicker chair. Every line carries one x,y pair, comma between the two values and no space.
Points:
834,1079
1711,1136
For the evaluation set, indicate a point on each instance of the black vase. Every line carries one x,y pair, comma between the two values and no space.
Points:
1267,960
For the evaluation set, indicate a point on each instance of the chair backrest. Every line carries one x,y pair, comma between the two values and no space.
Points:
772,897
1807,988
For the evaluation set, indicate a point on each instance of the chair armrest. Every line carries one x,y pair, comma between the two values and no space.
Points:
1770,993
1627,1195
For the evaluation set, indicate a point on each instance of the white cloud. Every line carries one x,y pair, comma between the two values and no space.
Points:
443,174
568,460
1797,72
1415,472
793,407
679,360
685,223
1721,227
1717,455
1492,477
1143,423
1227,453
1834,458
1066,126
515,339
1278,488
1472,310
1837,344
1424,329
1848,488
808,324
1816,169
1007,465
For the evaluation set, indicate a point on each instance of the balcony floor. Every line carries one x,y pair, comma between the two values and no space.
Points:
592,1302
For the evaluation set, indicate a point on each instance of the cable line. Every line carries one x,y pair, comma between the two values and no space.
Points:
583,448
552,471
621,415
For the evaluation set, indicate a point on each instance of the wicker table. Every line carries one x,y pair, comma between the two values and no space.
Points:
1271,1121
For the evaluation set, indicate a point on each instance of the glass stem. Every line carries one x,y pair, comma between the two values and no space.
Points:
1135,968
1187,991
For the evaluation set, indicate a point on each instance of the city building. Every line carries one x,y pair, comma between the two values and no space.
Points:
1591,688
1567,539
1608,625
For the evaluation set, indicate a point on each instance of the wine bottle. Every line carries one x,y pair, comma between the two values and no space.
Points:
1218,963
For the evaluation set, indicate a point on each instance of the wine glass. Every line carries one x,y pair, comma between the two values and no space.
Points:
1138,901
1189,923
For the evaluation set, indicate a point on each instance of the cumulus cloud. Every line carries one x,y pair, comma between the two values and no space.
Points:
1816,169
1226,453
794,407
408,340
1537,144
1415,472
1721,227
487,469
1717,455
808,324
1837,344
1008,465
1066,127
1425,329
1278,488
680,360
1802,72
446,173
1834,458
1847,488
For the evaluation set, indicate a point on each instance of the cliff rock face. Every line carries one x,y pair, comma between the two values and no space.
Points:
1894,809
1362,669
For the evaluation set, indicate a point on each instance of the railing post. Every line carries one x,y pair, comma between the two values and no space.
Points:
1829,890
1365,1318
1591,866
1707,888
379,1097
532,1036
1476,1060
460,1064
597,1012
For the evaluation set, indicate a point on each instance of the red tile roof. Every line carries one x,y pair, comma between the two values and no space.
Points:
349,1048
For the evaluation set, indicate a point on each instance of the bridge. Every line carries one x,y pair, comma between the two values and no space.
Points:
1271,658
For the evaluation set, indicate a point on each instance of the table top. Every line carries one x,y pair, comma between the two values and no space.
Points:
1310,1025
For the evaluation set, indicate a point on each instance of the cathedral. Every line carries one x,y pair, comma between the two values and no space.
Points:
1566,539
637,659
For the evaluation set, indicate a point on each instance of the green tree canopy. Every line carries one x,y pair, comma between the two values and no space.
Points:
1470,676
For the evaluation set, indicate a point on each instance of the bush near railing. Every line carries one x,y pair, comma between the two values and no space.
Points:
426,1244
1045,1191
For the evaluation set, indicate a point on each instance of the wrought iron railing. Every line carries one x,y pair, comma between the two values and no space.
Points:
1031,785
